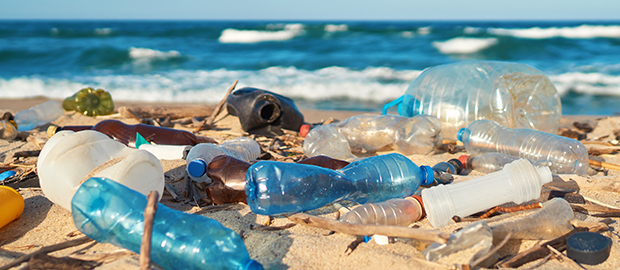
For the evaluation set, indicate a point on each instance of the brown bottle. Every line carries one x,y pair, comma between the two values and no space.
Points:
228,175
126,134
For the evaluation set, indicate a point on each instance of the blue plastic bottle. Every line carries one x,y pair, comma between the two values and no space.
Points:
278,187
109,212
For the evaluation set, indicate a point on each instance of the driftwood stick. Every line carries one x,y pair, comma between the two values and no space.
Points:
163,111
47,249
364,229
604,164
219,106
149,216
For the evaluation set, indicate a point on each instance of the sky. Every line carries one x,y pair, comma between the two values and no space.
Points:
312,10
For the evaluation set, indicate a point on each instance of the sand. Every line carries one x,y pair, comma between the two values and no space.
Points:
44,223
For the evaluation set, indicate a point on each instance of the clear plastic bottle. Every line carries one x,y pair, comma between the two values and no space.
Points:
279,187
407,135
565,155
109,212
38,115
513,94
200,156
552,221
90,102
393,212
518,182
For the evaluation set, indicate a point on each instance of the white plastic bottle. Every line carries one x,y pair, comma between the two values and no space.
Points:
200,155
515,95
38,115
518,182
565,155
69,158
407,135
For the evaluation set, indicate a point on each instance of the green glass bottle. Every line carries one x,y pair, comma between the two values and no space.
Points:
90,102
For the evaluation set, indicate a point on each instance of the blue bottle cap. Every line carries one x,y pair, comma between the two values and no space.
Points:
197,167
428,177
367,238
7,174
253,265
463,132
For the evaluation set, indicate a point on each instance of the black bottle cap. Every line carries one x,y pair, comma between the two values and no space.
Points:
588,247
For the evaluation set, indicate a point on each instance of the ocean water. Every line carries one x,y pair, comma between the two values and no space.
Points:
343,65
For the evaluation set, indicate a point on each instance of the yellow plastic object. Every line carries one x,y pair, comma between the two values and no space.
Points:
11,205
90,102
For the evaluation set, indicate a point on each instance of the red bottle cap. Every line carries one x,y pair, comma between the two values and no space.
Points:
303,130
463,160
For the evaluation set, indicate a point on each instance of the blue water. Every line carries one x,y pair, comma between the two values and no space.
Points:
346,65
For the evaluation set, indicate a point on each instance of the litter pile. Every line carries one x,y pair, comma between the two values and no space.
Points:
478,170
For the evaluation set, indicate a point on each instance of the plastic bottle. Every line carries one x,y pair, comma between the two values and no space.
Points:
518,182
38,115
564,154
394,212
200,156
513,94
11,205
407,135
279,187
166,152
127,133
90,102
69,158
109,212
552,221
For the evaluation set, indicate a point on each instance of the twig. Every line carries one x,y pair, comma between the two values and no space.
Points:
149,216
47,249
219,106
559,254
604,164
103,256
511,209
365,229
492,251
274,228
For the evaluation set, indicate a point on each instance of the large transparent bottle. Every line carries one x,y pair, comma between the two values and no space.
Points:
38,115
109,212
407,135
199,157
280,187
513,94
565,155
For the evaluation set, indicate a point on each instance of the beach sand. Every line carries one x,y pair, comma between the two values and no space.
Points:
299,247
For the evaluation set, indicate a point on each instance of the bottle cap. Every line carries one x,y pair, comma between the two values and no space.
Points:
51,130
303,130
419,200
428,175
463,132
588,247
253,265
197,167
463,160
457,164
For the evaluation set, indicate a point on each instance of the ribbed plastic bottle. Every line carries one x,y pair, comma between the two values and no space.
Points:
38,115
565,155
109,212
200,156
12,205
393,212
90,102
69,158
279,187
518,182
515,95
407,135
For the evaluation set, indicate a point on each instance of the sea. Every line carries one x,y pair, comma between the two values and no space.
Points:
335,65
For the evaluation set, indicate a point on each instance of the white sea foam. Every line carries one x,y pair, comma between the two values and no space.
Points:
103,31
463,45
472,30
424,30
146,53
336,28
290,31
587,83
407,34
582,31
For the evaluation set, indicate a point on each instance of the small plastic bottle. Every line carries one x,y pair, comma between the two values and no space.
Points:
515,95
200,156
393,212
165,152
279,187
407,135
69,158
11,204
109,212
90,102
38,115
126,134
518,182
564,154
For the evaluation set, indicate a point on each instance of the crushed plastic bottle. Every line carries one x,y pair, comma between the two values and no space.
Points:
90,102
552,221
477,234
407,135
38,115
109,212
393,212
518,182
515,95
564,154
279,187
200,156
12,205
69,158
